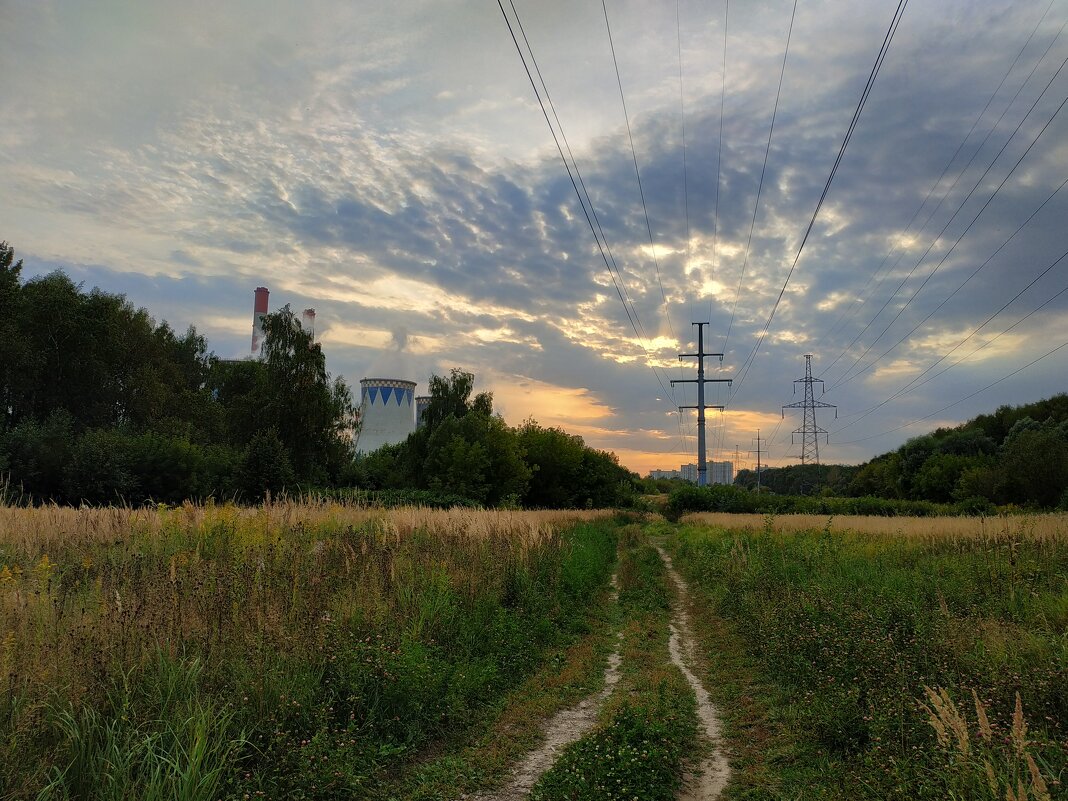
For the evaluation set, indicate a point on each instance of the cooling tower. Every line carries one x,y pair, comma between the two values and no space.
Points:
387,413
258,311
420,409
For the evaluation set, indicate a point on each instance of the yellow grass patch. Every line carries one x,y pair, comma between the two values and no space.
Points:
1030,528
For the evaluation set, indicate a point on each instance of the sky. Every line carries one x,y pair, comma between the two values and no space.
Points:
390,166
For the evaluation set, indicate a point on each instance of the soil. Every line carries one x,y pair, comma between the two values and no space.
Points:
562,729
707,781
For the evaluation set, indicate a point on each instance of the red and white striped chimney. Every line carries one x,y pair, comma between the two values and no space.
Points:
258,311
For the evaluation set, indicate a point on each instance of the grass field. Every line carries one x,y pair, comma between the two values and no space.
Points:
289,651
881,658
328,651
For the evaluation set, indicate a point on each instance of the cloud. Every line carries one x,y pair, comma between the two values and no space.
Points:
391,168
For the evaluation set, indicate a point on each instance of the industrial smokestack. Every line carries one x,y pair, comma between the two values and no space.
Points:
307,320
258,312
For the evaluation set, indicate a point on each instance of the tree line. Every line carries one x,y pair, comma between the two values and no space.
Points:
1018,455
100,404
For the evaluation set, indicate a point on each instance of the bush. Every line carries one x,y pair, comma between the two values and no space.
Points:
265,467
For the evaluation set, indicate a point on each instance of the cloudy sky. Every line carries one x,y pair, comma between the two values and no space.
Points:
389,165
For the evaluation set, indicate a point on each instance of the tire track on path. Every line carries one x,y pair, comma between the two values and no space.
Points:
562,729
708,781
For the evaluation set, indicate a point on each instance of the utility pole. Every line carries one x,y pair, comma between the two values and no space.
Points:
759,439
702,464
809,431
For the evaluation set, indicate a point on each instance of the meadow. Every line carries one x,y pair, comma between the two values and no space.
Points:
876,658
291,650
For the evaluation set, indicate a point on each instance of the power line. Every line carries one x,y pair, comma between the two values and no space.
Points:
966,397
760,184
637,173
846,377
861,301
915,383
632,315
960,286
719,154
876,68
685,176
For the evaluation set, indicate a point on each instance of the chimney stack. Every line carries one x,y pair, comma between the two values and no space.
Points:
308,322
258,312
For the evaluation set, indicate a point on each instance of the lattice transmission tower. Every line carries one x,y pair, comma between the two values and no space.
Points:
810,431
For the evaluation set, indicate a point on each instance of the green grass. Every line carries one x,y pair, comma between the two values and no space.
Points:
317,663
821,646
648,728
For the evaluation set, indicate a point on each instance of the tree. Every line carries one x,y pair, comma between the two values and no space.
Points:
938,476
311,415
555,461
11,340
452,397
476,456
265,467
1035,461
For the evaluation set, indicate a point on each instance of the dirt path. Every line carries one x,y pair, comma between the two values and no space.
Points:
708,781
562,729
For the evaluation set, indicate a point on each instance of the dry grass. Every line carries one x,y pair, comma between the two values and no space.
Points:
96,584
1030,528
28,533
267,600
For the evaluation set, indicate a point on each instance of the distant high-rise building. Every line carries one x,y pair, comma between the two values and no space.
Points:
657,474
722,473
719,472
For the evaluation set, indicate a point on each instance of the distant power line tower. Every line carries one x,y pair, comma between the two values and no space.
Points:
702,460
759,441
809,431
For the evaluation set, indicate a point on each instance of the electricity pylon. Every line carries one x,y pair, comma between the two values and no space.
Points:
759,439
809,431
702,462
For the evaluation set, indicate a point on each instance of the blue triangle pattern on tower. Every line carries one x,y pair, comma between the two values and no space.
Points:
385,395
373,392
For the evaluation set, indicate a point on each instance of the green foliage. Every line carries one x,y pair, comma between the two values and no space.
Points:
265,468
723,498
154,741
636,755
291,668
1018,455
798,479
466,450
849,629
309,413
100,404
555,460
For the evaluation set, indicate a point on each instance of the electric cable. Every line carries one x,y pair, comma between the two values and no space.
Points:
956,402
876,68
959,287
862,296
915,383
719,157
760,184
846,376
637,172
631,315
